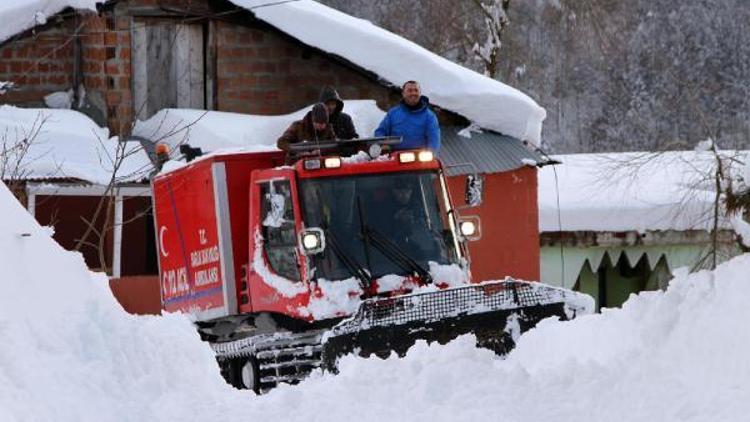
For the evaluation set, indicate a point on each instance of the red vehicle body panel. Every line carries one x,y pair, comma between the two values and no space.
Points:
207,219
200,214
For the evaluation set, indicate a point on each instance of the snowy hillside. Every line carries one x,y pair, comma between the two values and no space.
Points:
70,353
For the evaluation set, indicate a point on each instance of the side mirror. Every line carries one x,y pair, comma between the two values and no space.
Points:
312,241
474,190
470,228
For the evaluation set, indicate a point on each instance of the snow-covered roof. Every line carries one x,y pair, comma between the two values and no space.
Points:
215,130
63,144
603,192
485,101
19,15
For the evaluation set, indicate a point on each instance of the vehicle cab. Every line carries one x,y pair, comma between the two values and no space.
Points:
329,231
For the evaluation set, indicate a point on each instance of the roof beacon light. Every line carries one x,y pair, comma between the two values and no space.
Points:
313,164
332,162
407,157
162,148
425,156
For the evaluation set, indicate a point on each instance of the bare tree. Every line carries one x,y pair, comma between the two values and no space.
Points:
15,158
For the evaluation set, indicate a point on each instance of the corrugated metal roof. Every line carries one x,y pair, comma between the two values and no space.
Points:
488,151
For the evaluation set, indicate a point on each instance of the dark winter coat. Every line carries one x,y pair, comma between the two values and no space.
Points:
418,126
342,123
303,130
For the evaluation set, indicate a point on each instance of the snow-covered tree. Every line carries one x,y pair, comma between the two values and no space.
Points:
495,17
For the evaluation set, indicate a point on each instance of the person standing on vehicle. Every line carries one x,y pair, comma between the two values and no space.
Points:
341,122
313,127
413,120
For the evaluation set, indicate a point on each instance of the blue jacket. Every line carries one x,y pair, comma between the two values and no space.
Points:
419,128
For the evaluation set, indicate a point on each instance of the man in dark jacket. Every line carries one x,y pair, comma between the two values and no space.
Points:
341,122
313,127
413,120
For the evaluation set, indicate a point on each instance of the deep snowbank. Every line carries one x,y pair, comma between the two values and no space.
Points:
68,352
674,356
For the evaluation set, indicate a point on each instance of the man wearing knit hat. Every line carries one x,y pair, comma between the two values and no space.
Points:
313,127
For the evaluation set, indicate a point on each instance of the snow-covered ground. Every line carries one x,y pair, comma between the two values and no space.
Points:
70,353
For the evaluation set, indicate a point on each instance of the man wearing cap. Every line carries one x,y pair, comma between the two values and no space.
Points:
313,127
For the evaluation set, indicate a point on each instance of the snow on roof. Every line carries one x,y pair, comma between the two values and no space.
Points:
20,15
483,100
215,130
601,192
62,144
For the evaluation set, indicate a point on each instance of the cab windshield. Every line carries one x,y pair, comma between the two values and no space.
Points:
378,221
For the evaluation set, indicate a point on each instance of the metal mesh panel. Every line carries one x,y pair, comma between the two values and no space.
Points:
434,306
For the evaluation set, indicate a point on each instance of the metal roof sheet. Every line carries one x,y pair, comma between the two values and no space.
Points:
487,151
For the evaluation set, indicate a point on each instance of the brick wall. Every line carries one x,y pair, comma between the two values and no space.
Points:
260,71
44,61
39,63
106,67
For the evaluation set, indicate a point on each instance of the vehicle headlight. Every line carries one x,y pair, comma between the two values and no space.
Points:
407,157
468,228
332,162
425,156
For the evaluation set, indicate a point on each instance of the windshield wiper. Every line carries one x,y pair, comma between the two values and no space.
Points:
349,261
370,236
396,254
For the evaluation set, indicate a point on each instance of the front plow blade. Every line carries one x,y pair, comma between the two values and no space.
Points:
496,312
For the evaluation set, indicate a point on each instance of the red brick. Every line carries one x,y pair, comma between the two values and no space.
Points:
112,67
110,38
16,67
123,83
57,79
123,23
113,97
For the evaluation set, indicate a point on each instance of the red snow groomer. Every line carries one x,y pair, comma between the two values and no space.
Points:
288,267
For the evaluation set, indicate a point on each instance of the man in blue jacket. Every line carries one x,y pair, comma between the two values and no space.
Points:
413,120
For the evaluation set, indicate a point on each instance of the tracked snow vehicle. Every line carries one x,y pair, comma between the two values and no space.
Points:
288,267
